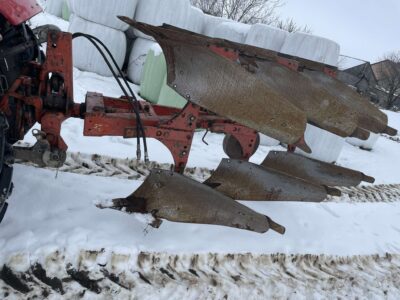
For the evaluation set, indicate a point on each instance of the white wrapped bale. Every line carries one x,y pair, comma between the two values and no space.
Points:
105,12
268,141
325,146
54,7
71,6
195,20
137,57
157,12
267,37
367,145
312,47
232,31
86,56
211,23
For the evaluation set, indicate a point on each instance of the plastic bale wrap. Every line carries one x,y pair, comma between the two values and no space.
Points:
268,141
267,37
168,97
66,11
367,145
137,57
152,77
195,20
325,146
232,31
157,12
211,23
54,7
86,56
312,47
105,12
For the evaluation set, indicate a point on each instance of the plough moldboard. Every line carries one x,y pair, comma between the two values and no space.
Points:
234,89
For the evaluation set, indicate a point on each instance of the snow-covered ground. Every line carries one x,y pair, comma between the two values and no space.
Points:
52,220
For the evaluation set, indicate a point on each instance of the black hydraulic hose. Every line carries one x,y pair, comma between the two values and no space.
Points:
139,125
146,156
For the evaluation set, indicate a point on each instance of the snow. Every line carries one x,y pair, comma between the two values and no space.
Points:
268,141
46,18
60,213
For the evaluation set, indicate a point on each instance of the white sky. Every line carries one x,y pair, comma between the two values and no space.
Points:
366,29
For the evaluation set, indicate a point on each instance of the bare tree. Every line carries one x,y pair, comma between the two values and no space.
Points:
387,72
245,11
291,26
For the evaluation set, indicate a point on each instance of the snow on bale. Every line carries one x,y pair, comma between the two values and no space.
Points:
232,31
105,12
211,23
85,55
137,57
312,47
325,146
157,12
268,141
367,145
267,37
54,7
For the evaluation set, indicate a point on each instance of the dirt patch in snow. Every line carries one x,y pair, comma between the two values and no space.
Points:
202,276
106,166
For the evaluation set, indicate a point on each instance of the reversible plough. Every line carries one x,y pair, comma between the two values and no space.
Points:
231,88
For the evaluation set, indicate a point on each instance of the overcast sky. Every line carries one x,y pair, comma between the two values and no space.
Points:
366,29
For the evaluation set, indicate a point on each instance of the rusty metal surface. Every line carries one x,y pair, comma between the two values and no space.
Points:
313,170
370,117
242,89
243,180
171,196
321,107
224,86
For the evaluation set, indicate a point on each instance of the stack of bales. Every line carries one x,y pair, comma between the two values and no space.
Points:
178,13
54,7
99,18
147,67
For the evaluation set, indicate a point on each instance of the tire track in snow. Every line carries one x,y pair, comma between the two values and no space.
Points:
101,165
201,276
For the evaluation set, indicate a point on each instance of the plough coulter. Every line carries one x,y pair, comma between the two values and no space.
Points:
231,88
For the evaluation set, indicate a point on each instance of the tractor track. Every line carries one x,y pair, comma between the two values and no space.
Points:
105,166
201,276
392,138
